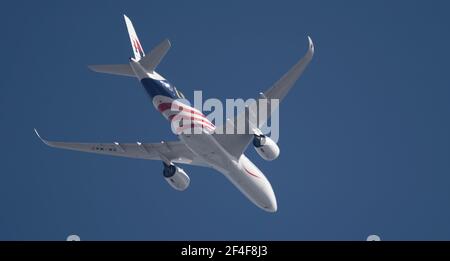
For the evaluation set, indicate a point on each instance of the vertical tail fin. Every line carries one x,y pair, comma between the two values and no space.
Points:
135,43
148,62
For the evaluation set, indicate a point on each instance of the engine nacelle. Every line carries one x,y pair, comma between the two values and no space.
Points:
266,147
176,177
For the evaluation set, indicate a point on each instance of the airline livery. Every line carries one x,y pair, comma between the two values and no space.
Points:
205,147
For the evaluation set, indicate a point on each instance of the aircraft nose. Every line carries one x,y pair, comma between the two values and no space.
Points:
270,204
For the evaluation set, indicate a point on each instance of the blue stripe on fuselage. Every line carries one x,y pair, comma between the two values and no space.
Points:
159,87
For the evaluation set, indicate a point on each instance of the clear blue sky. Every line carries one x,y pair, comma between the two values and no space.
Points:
365,145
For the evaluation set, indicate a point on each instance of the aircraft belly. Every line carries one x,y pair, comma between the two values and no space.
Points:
207,148
242,173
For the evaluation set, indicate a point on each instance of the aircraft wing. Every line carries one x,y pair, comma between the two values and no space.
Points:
236,144
173,151
282,87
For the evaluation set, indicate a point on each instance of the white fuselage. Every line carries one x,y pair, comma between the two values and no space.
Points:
240,171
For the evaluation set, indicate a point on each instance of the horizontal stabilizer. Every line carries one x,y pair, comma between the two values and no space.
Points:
116,69
152,59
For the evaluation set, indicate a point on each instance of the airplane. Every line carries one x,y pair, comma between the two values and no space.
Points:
222,152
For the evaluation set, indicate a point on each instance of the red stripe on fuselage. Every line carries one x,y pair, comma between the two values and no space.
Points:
250,173
198,116
191,118
168,105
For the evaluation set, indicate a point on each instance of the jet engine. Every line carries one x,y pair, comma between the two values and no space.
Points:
176,177
266,147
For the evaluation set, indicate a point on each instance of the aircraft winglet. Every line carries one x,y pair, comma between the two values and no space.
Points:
43,140
311,45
